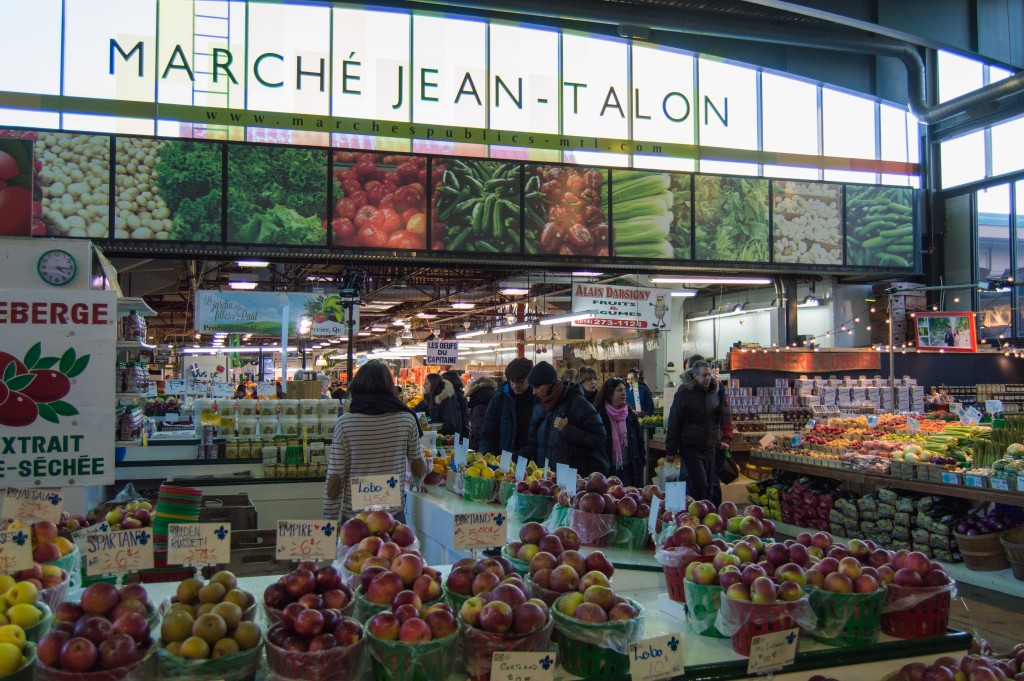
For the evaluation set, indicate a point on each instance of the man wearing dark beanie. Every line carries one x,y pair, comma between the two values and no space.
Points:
565,427
507,419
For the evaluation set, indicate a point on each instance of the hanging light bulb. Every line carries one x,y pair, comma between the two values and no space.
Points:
850,332
872,309
856,320
868,327
956,299
842,327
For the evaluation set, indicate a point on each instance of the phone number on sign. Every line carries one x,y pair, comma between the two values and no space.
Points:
623,323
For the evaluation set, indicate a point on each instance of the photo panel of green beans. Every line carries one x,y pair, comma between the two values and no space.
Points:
651,214
879,226
476,205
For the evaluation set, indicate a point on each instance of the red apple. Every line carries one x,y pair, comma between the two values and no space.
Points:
48,650
118,650
99,598
300,582
384,625
78,655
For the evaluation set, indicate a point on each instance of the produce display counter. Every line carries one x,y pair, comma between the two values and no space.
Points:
712,659
872,481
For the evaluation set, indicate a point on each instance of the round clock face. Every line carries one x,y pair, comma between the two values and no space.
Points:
57,267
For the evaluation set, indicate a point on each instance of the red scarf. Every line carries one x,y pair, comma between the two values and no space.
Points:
554,396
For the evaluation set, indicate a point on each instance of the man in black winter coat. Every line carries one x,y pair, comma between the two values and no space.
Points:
506,424
565,426
698,424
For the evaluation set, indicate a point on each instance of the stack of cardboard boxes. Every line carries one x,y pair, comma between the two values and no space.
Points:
900,306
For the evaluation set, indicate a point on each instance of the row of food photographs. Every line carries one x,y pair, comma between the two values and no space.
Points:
174,190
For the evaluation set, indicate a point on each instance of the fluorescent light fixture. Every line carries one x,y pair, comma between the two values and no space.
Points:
809,301
568,317
426,315
363,333
377,329
710,280
584,273
250,349
242,285
512,291
463,306
513,327
684,293
398,322
735,312
252,263
471,334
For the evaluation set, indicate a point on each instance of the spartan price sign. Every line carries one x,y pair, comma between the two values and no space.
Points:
111,553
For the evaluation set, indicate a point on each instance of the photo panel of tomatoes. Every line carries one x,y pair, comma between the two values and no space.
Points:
277,195
566,210
16,199
476,205
380,201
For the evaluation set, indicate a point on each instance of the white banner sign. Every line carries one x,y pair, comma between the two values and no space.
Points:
257,312
57,400
444,353
628,307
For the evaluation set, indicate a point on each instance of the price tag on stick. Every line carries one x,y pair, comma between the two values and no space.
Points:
657,658
522,666
32,504
993,407
566,477
15,551
377,491
652,520
199,544
913,425
306,540
767,441
521,469
506,461
107,552
675,496
771,652
479,531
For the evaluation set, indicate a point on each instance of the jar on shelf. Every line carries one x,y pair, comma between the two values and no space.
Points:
134,328
122,377
137,379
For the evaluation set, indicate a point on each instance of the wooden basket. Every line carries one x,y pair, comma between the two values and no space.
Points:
983,552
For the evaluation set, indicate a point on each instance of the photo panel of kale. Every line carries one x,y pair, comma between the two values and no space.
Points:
277,195
476,205
879,226
168,190
651,214
566,210
731,219
380,200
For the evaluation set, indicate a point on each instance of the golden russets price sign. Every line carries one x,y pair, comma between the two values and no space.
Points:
199,544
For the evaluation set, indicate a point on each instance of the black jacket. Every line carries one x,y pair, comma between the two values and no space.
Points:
479,393
646,405
500,424
581,444
634,459
699,419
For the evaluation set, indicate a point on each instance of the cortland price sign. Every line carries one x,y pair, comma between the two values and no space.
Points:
306,540
444,353
479,531
56,392
627,307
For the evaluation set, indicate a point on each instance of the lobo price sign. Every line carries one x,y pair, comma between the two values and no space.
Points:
627,307
479,530
306,540
377,491
112,553
56,392
199,544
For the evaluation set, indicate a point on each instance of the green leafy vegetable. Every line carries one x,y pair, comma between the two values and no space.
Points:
731,219
282,225
190,182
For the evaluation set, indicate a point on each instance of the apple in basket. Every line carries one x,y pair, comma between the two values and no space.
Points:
507,610
597,604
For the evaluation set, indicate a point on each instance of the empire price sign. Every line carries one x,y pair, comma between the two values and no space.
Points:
56,392
306,540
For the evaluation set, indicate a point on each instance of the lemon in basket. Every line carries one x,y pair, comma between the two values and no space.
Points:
24,615
486,473
11,659
472,472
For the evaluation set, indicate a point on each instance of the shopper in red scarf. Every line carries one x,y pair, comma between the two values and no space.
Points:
565,427
624,437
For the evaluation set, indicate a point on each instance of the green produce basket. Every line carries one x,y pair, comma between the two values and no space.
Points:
521,566
241,666
505,491
596,650
630,533
455,600
525,508
364,609
559,517
399,661
41,628
482,490
71,563
730,537
702,603
847,620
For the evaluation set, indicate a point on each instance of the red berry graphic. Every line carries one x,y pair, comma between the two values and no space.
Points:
6,359
4,393
48,386
18,411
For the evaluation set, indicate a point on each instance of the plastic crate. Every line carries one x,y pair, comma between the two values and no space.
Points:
860,616
929,617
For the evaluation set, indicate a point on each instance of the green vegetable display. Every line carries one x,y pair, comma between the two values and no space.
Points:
879,226
277,195
477,206
189,176
651,214
731,219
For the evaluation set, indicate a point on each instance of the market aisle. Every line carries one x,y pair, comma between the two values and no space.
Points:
995,617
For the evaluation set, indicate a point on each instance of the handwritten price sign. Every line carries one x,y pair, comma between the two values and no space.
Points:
522,666
479,530
199,544
15,551
306,540
32,504
111,553
657,658
377,491
771,652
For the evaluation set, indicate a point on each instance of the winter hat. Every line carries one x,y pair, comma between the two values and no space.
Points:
693,360
542,374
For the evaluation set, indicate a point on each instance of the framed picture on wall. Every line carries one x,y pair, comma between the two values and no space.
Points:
946,331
